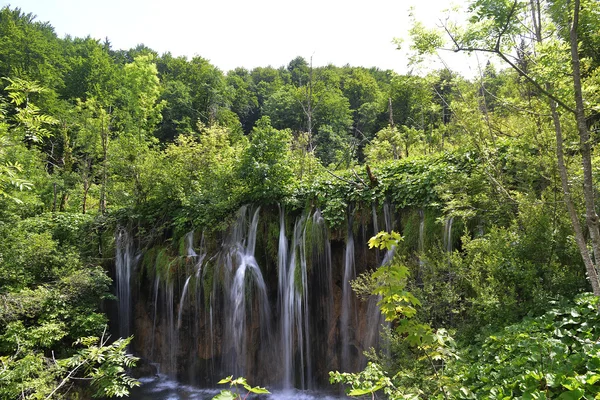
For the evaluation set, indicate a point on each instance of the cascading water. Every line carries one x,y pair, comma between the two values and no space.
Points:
375,319
172,339
156,288
212,318
182,301
375,228
293,294
387,217
320,255
124,261
247,291
196,260
421,232
349,273
448,234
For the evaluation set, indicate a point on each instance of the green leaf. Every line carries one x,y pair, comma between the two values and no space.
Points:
362,392
593,379
572,395
225,380
225,395
258,390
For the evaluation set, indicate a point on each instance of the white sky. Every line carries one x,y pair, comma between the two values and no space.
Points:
250,33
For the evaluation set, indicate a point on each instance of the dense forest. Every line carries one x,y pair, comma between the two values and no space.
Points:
486,274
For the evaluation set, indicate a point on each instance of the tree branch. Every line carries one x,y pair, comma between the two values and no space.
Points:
496,50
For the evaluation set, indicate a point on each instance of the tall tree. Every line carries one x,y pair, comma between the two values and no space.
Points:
497,28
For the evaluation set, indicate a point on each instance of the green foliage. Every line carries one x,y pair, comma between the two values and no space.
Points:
552,356
29,374
387,145
264,168
428,349
158,141
28,119
236,383
105,365
370,380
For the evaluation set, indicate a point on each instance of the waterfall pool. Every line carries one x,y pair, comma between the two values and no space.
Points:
164,388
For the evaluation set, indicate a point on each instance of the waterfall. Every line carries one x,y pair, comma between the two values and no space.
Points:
421,247
156,287
171,330
212,317
247,289
282,293
349,272
320,300
448,234
197,260
189,244
182,301
375,228
293,294
387,217
124,264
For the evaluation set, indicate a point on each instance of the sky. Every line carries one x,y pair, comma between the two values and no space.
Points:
251,33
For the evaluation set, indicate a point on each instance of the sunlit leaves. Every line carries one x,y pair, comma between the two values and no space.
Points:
237,383
385,240
28,119
552,356
370,380
425,41
264,165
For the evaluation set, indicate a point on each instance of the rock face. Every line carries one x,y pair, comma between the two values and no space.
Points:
143,369
270,302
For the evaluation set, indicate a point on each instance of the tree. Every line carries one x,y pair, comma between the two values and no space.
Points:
264,166
29,49
366,101
244,101
497,28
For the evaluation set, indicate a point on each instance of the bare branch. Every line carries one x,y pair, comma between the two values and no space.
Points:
343,179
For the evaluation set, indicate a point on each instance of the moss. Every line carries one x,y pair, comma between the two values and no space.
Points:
433,230
148,263
298,272
410,220
182,246
271,240
207,281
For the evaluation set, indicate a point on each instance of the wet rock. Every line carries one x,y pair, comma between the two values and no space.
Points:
143,369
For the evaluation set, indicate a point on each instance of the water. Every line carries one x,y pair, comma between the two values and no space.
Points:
421,232
156,288
246,294
387,217
172,338
448,234
210,315
124,261
163,388
349,274
182,301
375,228
189,244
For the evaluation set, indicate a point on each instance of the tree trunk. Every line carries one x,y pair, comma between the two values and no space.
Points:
86,188
54,197
562,169
63,201
584,137
564,179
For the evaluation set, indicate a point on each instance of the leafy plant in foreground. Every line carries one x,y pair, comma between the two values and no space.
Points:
556,355
430,349
230,395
